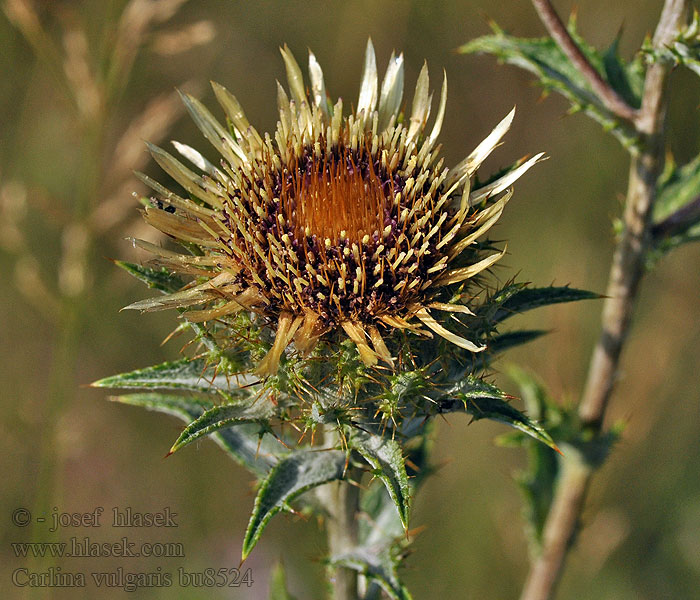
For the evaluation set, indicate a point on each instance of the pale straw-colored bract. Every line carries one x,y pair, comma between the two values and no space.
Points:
334,222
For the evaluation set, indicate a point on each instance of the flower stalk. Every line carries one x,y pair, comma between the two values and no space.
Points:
341,503
612,100
625,275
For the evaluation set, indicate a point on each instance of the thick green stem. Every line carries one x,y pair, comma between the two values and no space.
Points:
342,536
341,501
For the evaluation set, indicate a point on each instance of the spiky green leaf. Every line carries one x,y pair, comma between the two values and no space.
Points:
166,282
292,476
380,568
537,481
382,539
511,339
485,401
194,375
383,525
683,50
386,459
626,79
539,405
527,298
223,417
677,208
243,443
544,58
159,279
537,486
185,407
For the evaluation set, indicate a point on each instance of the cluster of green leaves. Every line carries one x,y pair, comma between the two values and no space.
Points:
676,220
685,49
381,416
555,72
677,208
578,444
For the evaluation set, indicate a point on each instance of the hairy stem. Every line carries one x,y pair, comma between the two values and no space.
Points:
608,96
625,274
342,504
630,253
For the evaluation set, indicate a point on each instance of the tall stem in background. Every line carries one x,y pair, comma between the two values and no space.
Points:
73,284
623,283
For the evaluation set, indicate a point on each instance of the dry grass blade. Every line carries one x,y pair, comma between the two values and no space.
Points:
129,155
29,281
134,25
170,43
73,277
23,15
13,207
80,76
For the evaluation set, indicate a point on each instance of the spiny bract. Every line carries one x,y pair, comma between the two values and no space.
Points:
334,222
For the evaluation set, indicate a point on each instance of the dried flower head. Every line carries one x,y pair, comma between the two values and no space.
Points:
334,222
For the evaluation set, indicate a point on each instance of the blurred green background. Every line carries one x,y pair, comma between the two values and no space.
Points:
70,139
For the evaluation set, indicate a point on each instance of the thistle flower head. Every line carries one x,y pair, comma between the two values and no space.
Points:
335,223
